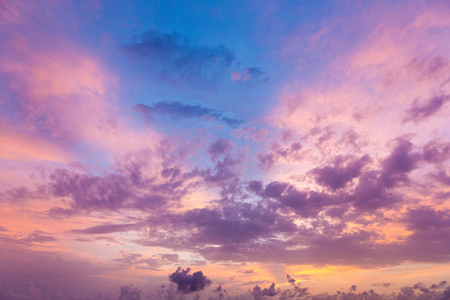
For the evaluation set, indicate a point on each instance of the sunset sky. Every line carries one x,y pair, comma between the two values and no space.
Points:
247,140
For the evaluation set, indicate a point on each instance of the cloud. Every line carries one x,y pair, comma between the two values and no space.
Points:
249,74
436,151
107,192
259,293
187,283
428,68
177,59
218,148
419,112
438,285
267,160
177,110
343,170
129,292
170,257
103,229
39,237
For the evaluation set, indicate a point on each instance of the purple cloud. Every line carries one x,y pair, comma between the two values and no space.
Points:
419,112
259,293
218,148
40,237
187,283
343,170
129,292
103,229
436,151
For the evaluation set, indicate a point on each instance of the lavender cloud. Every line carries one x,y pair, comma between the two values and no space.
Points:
421,111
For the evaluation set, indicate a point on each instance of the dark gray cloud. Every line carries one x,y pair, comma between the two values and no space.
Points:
187,283
178,110
421,111
174,58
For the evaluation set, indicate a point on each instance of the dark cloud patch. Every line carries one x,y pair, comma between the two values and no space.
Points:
255,186
187,283
3,229
101,192
343,170
438,285
259,293
436,151
130,186
104,229
252,74
352,288
250,271
218,148
371,194
277,153
177,110
223,172
16,194
58,212
174,58
375,189
170,257
383,284
129,292
421,111
428,67
305,203
255,282
139,262
430,234
421,287
399,163
40,237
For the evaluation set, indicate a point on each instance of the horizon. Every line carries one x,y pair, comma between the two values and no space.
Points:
178,149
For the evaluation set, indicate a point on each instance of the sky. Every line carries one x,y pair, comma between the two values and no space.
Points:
224,149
